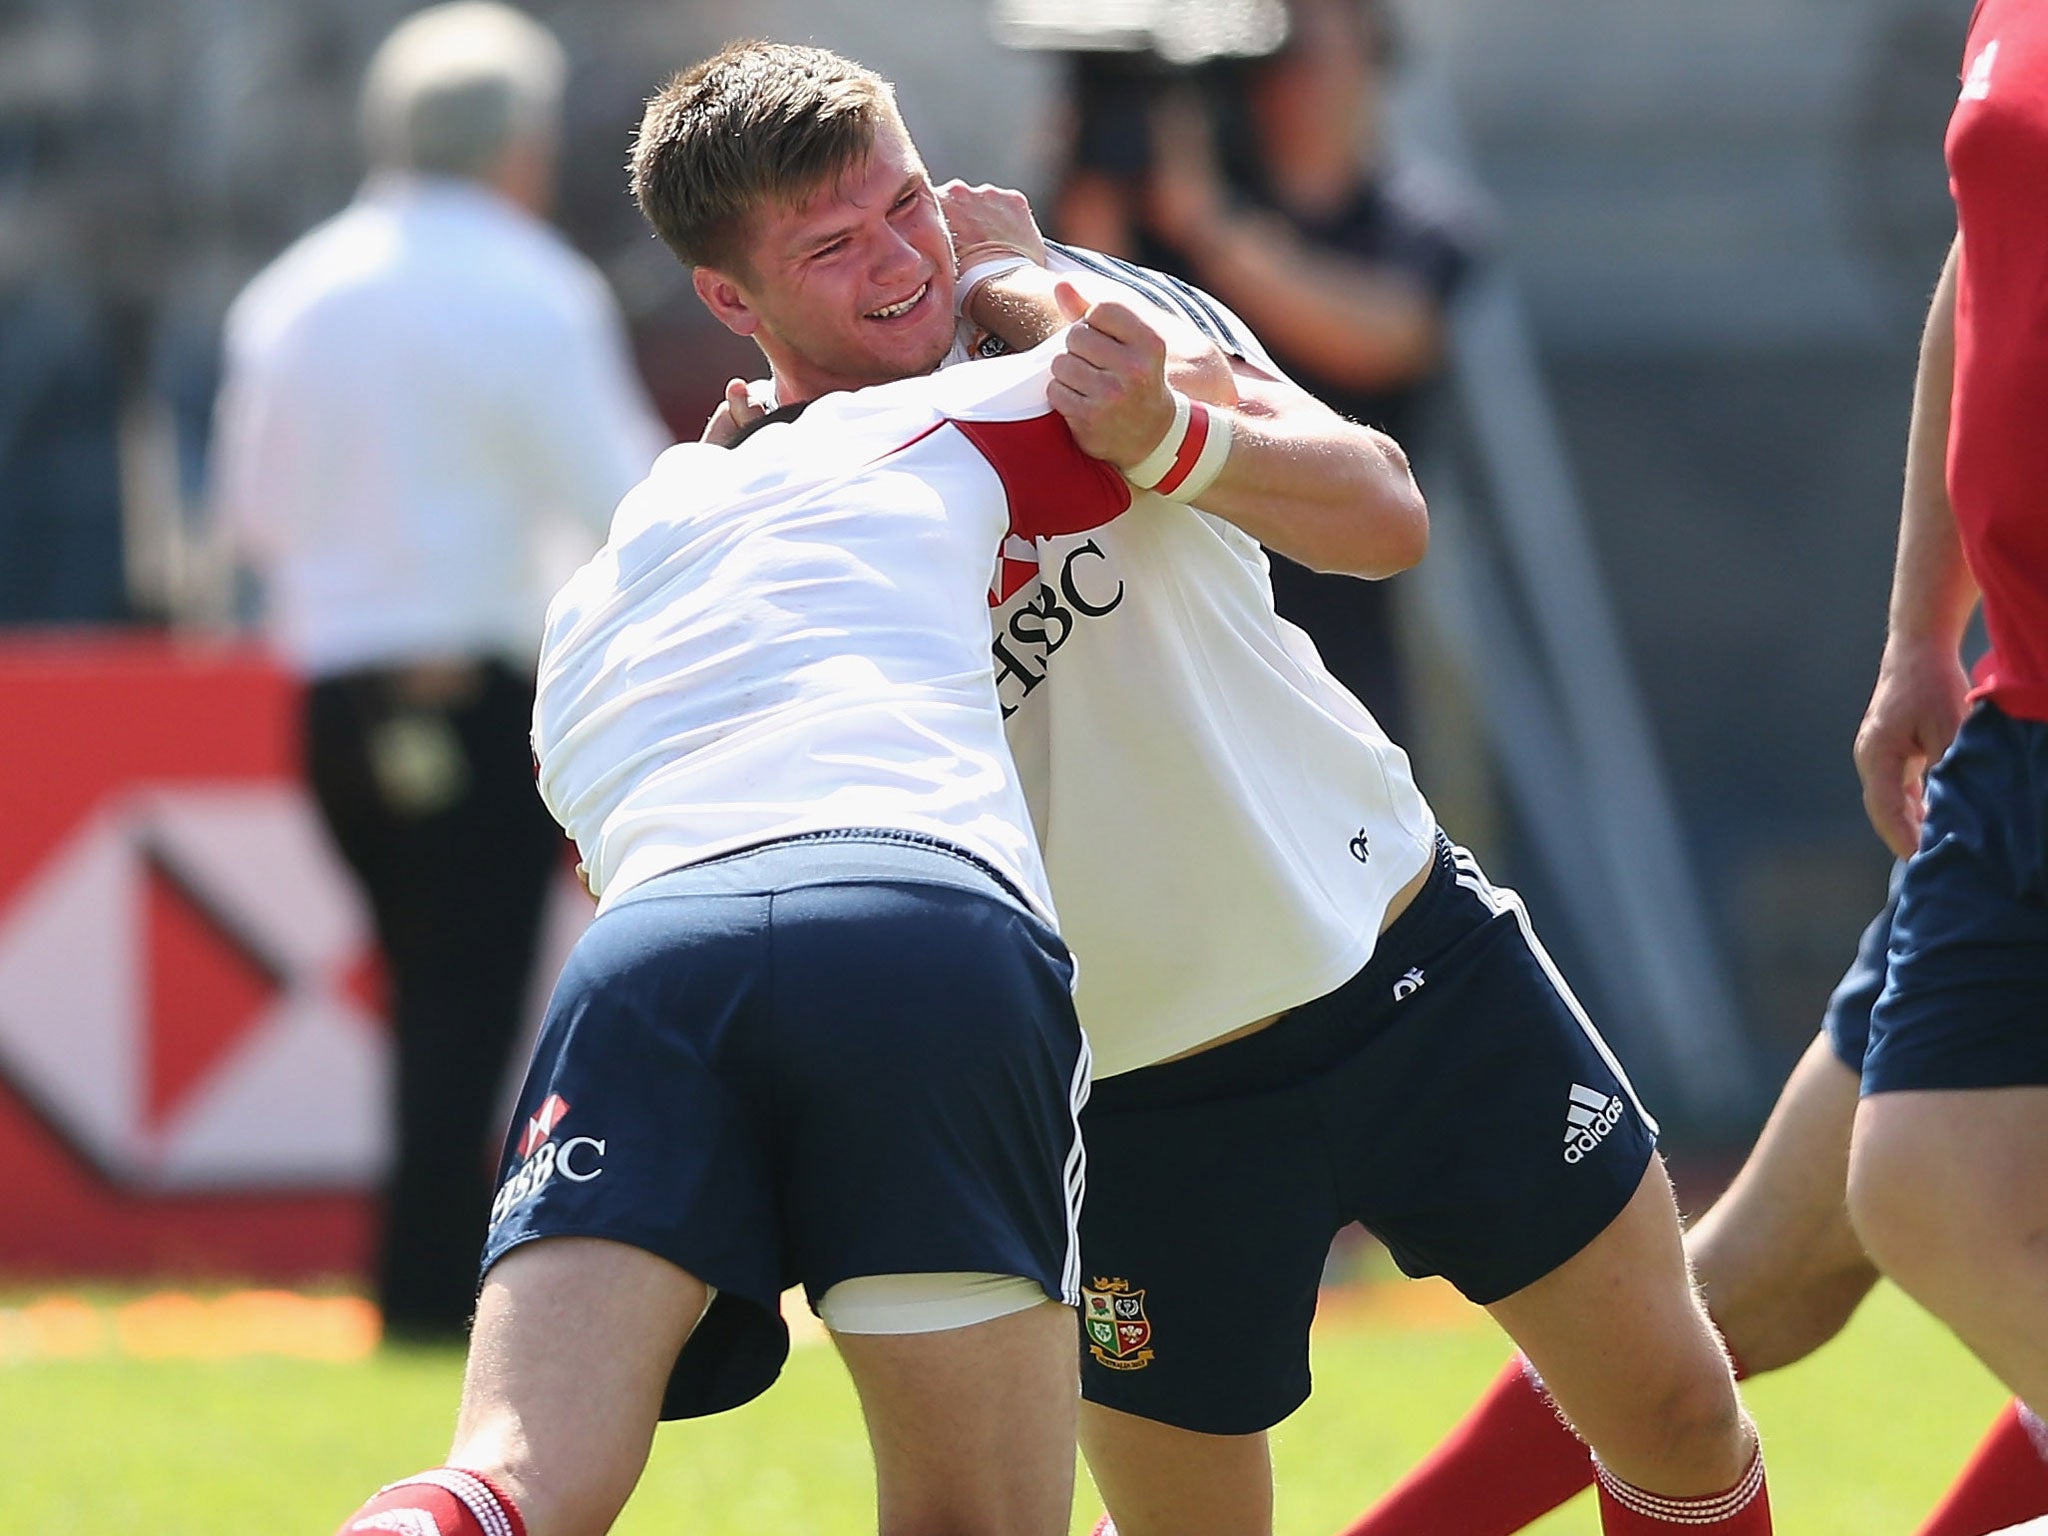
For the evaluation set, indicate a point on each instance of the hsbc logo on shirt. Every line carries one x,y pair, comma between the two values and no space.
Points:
1033,619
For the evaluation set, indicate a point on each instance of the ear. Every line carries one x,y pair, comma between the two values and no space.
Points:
722,296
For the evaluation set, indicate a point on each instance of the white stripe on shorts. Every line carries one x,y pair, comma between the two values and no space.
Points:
1076,1172
1502,899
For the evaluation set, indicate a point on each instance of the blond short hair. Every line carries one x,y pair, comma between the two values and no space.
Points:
454,86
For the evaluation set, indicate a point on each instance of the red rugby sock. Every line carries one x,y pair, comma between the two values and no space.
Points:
1743,1510
1511,1461
2005,1482
443,1502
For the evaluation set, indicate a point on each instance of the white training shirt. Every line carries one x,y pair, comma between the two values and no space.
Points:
428,414
792,635
1223,824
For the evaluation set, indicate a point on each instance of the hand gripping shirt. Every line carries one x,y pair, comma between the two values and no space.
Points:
791,636
1223,824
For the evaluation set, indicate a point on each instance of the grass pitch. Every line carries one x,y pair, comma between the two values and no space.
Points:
1861,1438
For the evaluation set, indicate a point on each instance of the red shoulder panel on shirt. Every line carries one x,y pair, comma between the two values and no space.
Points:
1053,486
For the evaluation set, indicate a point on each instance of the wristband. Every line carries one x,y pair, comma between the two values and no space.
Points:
973,277
1189,457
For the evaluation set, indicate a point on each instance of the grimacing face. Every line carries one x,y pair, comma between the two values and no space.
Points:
852,286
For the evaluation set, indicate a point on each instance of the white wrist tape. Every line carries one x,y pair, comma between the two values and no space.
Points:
981,272
1191,455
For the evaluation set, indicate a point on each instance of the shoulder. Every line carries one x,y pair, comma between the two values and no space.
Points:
685,484
556,266
308,275
1006,388
998,406
1204,311
525,266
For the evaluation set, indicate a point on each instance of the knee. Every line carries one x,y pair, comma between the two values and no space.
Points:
1698,1420
1685,1431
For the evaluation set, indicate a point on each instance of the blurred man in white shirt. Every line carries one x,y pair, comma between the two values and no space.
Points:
428,405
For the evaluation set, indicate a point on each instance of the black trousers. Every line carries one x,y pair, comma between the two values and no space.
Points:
432,803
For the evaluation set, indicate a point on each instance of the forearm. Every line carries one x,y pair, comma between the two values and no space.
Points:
1019,309
1326,492
1342,320
1933,592
1299,478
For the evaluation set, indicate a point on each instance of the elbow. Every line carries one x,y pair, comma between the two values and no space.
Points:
1408,536
1385,526
1398,510
1384,543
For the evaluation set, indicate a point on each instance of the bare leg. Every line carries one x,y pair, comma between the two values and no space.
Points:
973,1428
572,1347
1781,1269
1949,1190
1626,1350
1780,1265
1161,1481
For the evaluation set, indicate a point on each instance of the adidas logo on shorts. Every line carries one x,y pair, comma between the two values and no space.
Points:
1588,1117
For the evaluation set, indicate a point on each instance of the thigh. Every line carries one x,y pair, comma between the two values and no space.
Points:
1202,1243
1487,1133
1158,1480
1975,1161
509,844
480,862
972,1428
1951,1190
567,1365
337,715
1623,1346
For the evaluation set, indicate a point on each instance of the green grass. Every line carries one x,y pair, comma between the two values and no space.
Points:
1861,1438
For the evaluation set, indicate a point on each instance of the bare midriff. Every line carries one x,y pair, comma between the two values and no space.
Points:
1395,908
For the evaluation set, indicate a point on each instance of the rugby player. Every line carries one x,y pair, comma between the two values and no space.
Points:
1939,1020
1948,1166
821,1030
1306,1005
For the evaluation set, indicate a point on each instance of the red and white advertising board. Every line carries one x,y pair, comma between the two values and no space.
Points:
192,1057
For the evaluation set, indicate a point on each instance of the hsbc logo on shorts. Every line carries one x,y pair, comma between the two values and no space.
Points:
579,1159
1588,1116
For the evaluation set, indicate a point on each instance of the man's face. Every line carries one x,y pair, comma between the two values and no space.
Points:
852,286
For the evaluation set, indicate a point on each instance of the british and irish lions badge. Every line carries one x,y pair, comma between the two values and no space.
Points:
1118,1330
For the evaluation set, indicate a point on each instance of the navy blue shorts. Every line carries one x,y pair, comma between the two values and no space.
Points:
1965,1004
1847,1021
1451,1096
818,1059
